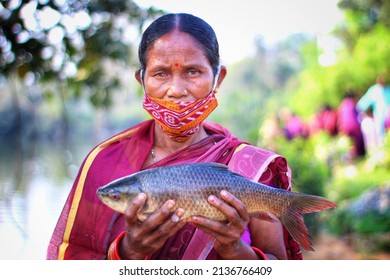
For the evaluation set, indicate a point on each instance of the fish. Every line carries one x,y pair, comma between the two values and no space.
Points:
189,185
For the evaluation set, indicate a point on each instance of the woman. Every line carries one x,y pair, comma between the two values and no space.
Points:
348,124
376,99
180,74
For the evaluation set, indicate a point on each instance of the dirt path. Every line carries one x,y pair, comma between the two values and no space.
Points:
328,247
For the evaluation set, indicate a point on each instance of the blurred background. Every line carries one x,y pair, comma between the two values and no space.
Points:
67,83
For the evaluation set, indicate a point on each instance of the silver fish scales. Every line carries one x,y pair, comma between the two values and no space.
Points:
190,185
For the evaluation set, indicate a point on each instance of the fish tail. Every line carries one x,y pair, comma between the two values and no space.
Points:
293,218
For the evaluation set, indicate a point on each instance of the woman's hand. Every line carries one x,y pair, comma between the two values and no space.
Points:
268,236
227,234
144,238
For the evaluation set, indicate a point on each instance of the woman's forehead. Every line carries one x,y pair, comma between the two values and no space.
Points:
178,47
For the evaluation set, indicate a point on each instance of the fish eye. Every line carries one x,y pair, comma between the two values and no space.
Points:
115,196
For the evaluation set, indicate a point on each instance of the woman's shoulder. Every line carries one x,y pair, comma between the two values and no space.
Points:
261,165
119,142
255,154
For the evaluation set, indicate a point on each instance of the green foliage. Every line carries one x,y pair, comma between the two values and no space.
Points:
372,53
256,87
365,54
241,111
371,229
373,222
344,222
309,171
360,17
318,167
355,70
349,182
341,222
386,147
79,54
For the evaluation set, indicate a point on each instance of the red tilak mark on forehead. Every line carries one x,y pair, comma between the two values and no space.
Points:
176,64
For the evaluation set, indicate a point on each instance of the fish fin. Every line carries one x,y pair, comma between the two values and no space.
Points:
218,167
306,203
293,219
294,223
214,165
263,215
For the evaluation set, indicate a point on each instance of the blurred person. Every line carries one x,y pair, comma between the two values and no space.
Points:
370,135
348,124
293,125
376,98
269,132
327,119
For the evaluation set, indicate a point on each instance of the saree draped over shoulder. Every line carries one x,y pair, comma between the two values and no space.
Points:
86,227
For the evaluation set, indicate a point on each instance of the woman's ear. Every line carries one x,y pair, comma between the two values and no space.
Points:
222,75
138,76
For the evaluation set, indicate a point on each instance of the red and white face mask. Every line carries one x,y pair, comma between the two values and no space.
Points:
181,119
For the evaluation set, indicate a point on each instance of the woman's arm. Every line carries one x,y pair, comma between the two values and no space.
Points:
268,236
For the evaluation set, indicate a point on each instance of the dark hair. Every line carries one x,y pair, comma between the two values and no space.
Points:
194,26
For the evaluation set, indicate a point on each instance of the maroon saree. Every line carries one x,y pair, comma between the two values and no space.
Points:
86,227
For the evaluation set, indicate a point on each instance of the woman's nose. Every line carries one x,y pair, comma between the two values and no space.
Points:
177,89
177,92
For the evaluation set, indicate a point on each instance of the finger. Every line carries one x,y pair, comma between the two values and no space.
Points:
238,205
179,213
160,215
134,206
156,225
171,225
226,208
170,221
210,226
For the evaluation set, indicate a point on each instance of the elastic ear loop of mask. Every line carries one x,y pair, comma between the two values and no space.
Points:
141,73
214,85
216,78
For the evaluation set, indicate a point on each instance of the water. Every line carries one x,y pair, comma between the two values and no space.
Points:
34,185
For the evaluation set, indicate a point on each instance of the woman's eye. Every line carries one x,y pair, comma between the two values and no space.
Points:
160,74
193,72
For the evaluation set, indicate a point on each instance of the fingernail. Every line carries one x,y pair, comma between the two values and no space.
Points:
195,219
175,218
224,194
140,197
171,204
180,212
211,198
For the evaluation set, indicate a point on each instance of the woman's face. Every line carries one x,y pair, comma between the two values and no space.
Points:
177,69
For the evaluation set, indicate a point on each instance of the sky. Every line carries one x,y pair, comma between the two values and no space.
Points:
238,22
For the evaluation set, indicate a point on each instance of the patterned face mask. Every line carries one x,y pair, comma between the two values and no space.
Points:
180,120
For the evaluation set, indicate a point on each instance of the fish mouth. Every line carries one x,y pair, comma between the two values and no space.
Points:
99,193
100,196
